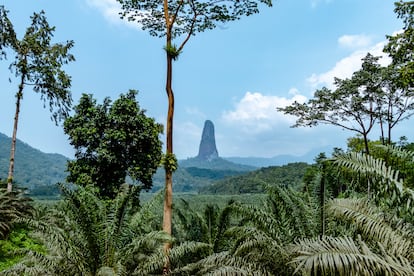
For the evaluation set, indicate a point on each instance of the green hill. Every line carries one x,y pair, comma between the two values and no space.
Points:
215,164
34,169
38,172
252,182
194,174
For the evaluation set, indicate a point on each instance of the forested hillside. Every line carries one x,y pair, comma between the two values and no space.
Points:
34,169
193,175
289,175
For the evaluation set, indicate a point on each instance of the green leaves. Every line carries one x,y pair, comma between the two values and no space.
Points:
169,161
38,62
384,248
7,33
112,141
186,17
13,205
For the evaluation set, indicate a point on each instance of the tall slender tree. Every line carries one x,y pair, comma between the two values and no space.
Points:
37,64
181,19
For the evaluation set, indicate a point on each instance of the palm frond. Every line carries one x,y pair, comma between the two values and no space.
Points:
13,205
291,208
342,256
256,216
142,220
388,185
370,166
373,223
221,263
398,152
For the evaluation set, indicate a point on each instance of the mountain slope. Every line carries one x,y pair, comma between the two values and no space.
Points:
194,174
279,160
254,182
217,163
33,168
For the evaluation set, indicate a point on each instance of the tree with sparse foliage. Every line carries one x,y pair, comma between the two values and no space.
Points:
181,20
112,141
38,64
352,105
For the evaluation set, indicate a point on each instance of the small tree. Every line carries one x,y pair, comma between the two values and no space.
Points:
181,19
353,105
112,140
38,64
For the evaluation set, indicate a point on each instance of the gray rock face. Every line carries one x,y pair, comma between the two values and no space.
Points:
208,150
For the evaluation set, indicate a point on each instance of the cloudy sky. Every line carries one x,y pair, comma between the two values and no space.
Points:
235,75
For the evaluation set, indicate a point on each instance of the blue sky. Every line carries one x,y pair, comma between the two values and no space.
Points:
235,75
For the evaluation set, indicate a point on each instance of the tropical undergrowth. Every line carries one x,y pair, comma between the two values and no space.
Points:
366,228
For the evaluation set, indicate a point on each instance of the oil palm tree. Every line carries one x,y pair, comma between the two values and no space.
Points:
382,244
381,233
84,235
13,205
256,243
388,189
207,226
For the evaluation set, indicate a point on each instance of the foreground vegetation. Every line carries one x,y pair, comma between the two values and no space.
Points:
367,229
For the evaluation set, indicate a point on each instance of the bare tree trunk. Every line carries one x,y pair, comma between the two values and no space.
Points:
19,96
389,133
322,198
168,198
382,132
366,143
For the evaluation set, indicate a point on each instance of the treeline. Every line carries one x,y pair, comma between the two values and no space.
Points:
290,175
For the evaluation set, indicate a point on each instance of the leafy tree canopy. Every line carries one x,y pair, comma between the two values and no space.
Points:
186,17
38,62
112,141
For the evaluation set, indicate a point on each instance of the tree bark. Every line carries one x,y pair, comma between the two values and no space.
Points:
19,96
366,145
168,197
322,191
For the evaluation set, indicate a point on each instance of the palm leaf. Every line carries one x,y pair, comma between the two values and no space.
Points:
397,240
13,205
369,166
342,256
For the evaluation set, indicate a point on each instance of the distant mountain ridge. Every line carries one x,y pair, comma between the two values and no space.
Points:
279,160
33,168
37,170
217,163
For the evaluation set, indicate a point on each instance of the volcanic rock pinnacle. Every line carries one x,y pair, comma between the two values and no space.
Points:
208,150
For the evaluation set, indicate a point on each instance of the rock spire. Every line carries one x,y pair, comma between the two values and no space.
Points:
208,150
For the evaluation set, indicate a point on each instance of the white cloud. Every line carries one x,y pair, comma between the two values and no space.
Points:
347,66
256,112
110,9
354,41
